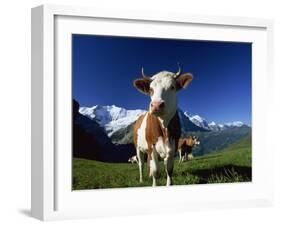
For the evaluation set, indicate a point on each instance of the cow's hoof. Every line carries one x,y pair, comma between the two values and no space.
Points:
169,182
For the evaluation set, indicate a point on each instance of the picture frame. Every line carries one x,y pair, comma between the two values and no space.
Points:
51,194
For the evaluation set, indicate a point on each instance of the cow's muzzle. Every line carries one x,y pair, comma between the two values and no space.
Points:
157,107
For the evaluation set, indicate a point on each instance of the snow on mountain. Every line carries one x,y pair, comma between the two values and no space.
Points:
114,119
216,127
203,123
234,124
213,126
186,124
187,114
111,118
199,121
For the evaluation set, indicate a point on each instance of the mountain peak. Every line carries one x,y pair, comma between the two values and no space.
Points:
187,114
235,124
112,118
197,117
199,121
203,123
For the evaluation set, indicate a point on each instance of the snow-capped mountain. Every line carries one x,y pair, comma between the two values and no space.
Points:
199,121
219,127
203,123
186,123
187,114
116,120
234,124
112,127
213,126
106,132
111,118
216,127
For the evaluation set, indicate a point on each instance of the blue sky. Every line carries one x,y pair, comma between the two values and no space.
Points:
105,67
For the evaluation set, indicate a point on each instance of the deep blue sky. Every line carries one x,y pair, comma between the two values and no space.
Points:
105,67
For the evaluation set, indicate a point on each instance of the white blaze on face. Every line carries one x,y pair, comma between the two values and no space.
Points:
163,89
196,142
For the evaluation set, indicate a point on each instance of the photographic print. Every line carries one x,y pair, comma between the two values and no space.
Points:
160,112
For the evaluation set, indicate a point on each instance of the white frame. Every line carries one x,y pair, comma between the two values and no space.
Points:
44,123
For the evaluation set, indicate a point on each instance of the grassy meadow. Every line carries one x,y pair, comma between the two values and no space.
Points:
232,164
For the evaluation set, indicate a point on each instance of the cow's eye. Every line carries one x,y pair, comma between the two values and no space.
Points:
173,87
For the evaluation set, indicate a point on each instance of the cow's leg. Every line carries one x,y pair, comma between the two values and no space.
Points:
180,156
154,167
185,157
169,162
140,163
169,165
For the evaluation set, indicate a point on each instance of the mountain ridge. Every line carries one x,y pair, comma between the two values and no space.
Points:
105,133
113,118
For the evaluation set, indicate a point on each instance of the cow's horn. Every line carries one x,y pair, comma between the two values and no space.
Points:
143,75
178,72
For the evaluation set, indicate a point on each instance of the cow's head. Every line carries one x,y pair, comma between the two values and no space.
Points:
162,88
195,141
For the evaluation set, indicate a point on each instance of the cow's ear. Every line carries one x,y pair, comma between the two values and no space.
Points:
142,85
184,80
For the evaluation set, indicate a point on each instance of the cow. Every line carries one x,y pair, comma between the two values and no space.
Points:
185,146
133,159
157,132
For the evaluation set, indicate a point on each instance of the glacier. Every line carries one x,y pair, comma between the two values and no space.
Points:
111,118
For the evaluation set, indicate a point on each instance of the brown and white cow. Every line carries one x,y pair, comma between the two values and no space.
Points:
157,132
185,146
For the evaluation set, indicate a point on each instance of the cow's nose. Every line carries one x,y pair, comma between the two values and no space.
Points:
157,105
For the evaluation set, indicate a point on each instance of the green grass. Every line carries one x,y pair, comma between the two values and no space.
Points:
232,164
